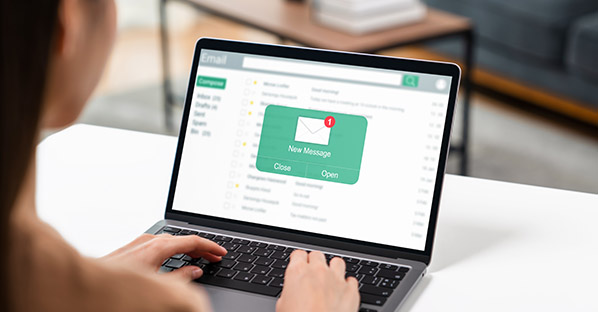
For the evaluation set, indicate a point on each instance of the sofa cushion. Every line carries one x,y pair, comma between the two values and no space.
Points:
582,48
531,30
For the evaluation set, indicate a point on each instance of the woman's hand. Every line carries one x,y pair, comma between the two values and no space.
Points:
149,252
311,285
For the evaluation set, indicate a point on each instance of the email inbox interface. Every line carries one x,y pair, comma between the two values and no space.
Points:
293,150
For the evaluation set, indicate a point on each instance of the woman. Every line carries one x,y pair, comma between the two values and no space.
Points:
51,57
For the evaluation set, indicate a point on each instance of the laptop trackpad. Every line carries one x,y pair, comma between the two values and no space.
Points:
223,299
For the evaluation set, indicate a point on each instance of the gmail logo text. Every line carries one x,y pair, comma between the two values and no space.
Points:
312,130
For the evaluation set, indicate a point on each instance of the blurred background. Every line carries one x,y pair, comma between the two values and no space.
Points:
534,105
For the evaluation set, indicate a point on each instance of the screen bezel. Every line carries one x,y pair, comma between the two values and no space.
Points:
332,57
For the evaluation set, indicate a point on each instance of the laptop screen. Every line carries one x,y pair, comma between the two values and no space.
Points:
340,150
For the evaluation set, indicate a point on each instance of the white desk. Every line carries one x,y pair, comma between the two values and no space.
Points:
499,246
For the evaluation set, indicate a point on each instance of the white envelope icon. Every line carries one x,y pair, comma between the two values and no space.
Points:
312,130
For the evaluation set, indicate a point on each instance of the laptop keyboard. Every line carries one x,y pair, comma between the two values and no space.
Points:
259,267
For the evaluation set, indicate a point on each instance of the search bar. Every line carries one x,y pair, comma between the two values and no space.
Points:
323,71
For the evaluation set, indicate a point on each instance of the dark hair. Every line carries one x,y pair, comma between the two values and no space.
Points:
27,30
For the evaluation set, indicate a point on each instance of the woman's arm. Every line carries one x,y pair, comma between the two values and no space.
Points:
49,275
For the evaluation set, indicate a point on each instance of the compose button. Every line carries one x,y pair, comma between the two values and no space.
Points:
211,82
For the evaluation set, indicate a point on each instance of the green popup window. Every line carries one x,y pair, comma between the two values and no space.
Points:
311,144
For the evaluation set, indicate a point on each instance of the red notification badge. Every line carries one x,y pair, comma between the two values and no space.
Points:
329,122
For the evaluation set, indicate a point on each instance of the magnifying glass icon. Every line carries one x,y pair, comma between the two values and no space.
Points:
410,80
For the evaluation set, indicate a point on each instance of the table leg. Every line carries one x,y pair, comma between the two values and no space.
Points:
467,86
166,83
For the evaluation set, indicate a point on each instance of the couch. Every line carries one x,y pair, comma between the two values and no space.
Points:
548,44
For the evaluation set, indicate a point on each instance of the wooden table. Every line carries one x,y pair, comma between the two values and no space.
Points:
291,20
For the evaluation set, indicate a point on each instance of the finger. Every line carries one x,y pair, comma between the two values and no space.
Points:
196,246
192,245
189,272
352,281
352,292
316,257
297,257
337,265
352,284
211,257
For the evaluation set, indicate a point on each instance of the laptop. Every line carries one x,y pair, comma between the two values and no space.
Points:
283,148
